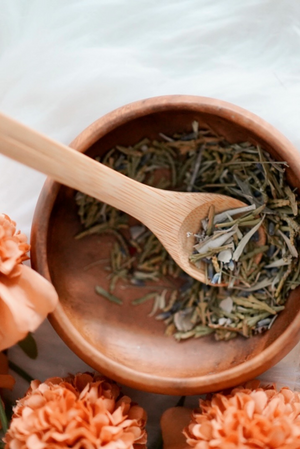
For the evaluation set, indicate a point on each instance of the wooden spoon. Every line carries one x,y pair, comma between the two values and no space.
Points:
169,215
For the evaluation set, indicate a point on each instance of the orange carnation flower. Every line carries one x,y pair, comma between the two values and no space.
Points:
26,298
247,417
82,411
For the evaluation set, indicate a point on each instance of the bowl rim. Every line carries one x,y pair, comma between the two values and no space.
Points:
128,376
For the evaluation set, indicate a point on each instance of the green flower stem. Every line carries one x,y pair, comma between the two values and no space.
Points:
20,371
3,418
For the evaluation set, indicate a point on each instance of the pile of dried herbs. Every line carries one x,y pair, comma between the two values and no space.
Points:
201,161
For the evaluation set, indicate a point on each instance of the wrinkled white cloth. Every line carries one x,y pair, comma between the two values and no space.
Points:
64,64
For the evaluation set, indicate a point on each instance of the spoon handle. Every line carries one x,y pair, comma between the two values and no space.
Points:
76,170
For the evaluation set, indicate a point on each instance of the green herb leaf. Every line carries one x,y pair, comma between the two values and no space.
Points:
108,295
144,298
210,243
241,246
290,246
231,212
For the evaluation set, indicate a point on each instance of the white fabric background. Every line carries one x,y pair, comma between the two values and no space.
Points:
64,64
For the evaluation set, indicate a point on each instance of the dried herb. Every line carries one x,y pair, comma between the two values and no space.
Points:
258,287
108,295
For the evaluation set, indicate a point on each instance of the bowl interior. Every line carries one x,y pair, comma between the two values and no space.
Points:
125,336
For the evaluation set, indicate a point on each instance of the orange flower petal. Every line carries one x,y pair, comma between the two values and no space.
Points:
25,301
33,442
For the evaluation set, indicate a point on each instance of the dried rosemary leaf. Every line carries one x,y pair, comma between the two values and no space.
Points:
144,298
290,246
237,253
108,295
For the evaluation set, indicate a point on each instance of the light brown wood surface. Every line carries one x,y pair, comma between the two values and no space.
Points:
123,342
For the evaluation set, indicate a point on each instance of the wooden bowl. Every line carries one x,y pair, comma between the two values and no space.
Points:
123,342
